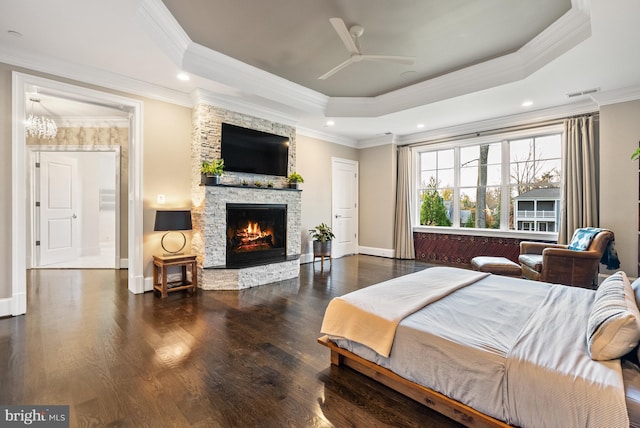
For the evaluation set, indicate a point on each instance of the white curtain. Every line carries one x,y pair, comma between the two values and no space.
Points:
404,232
579,191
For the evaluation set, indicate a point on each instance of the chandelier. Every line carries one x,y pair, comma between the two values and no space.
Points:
40,126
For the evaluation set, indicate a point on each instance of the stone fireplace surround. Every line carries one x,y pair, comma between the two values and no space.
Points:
215,276
209,203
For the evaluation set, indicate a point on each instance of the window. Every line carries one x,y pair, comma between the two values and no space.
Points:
508,182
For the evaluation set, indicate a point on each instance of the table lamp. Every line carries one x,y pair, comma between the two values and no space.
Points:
172,221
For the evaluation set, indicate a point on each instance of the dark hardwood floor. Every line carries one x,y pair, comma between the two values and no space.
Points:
216,359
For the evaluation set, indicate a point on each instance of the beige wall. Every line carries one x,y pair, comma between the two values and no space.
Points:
314,164
619,137
167,168
378,199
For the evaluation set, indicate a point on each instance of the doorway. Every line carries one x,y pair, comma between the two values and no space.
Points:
23,84
75,200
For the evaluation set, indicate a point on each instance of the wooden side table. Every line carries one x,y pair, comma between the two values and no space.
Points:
160,265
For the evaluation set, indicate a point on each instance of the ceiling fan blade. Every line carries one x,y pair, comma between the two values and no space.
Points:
407,60
345,36
339,67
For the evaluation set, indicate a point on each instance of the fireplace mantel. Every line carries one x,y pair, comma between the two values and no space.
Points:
240,186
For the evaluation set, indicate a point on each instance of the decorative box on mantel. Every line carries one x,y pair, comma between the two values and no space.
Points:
216,275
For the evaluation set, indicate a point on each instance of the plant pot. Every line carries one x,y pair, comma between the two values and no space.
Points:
293,185
322,248
212,180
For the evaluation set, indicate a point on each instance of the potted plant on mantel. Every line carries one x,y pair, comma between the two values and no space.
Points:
212,171
294,180
322,236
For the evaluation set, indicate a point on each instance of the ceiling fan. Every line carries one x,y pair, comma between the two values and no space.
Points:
350,39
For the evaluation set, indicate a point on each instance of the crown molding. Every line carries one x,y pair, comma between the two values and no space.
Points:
325,136
564,34
543,115
239,105
229,71
163,28
94,76
198,60
616,96
381,140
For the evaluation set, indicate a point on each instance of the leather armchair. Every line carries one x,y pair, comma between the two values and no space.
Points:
557,264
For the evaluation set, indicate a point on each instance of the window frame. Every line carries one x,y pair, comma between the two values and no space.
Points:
502,138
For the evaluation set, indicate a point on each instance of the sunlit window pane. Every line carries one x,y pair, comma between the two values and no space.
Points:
533,178
445,178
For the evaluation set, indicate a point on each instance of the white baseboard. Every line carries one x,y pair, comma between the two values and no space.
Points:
5,307
148,284
124,263
306,258
381,252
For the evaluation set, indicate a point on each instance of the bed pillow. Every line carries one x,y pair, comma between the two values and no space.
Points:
614,322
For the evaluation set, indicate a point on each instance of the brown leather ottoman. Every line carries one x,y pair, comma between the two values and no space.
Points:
496,265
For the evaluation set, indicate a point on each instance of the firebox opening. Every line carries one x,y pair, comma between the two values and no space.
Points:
256,234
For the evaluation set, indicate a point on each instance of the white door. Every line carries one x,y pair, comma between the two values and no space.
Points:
344,206
58,208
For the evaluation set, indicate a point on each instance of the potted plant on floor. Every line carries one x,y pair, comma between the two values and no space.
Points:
322,236
212,171
294,180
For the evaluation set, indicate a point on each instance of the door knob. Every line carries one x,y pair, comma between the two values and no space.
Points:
74,216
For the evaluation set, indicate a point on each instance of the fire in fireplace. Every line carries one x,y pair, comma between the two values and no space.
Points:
256,234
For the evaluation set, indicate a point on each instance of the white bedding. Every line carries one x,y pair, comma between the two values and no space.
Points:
479,346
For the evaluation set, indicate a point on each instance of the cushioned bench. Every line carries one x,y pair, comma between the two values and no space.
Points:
496,265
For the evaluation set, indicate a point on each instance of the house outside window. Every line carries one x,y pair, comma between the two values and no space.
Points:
540,208
507,182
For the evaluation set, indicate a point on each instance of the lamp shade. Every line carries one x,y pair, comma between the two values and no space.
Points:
172,220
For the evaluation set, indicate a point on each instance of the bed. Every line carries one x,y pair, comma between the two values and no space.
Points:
488,350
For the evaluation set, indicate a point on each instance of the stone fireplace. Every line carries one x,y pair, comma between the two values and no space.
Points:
276,258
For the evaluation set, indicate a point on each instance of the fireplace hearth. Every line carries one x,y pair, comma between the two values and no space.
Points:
255,234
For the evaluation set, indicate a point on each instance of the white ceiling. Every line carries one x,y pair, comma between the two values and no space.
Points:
477,62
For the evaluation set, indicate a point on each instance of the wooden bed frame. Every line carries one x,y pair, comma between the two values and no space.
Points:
453,409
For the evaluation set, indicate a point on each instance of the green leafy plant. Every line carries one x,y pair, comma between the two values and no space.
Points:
257,183
294,177
269,183
635,154
322,233
244,182
215,167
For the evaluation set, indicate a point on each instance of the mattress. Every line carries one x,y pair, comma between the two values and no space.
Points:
459,344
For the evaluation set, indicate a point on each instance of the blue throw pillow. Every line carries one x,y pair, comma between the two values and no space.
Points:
582,238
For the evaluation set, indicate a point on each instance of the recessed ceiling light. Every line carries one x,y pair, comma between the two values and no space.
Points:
14,33
420,125
330,123
183,76
527,103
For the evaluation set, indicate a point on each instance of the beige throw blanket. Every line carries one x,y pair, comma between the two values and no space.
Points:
371,315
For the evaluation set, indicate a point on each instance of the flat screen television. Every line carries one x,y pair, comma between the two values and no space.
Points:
256,152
